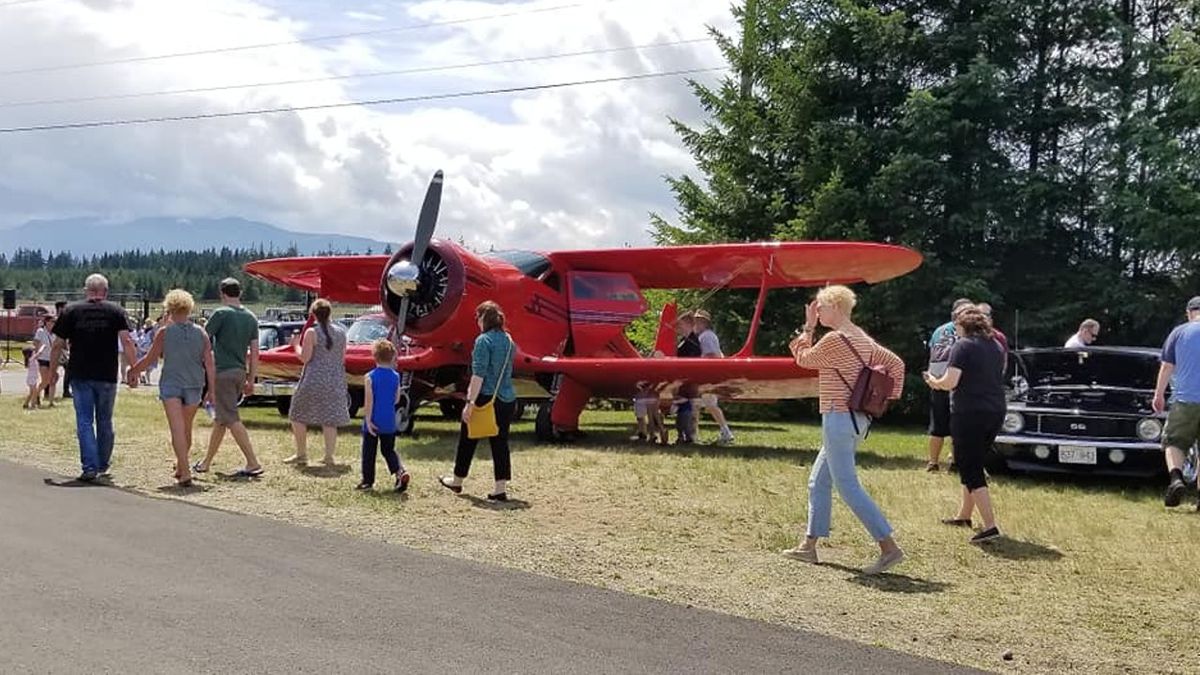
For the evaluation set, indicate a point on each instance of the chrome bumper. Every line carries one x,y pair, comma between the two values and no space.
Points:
1053,441
272,389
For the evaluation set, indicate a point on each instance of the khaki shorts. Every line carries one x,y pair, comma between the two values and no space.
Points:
227,395
1183,426
708,400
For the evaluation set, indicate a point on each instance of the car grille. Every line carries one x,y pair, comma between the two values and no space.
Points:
1086,427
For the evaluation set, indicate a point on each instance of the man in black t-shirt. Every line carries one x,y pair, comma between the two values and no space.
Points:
94,328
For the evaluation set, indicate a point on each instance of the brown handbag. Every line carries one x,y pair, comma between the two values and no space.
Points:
871,391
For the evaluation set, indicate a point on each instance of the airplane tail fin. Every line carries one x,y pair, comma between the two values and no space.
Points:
665,341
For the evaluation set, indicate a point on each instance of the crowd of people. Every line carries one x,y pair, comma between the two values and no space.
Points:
215,364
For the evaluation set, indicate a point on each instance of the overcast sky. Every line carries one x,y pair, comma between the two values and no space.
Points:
563,168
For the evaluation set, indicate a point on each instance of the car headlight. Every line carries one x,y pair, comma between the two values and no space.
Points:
1149,429
1014,422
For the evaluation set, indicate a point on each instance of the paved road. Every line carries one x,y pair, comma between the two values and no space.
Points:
95,579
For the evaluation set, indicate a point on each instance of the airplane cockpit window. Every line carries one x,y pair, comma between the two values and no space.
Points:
367,330
531,264
604,286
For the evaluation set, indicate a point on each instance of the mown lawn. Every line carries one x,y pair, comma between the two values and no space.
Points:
1096,576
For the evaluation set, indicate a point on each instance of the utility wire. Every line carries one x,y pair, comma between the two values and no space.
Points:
349,104
353,76
308,40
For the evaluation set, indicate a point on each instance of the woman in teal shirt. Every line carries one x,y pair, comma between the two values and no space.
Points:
491,375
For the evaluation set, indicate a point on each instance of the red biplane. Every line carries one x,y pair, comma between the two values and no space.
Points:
567,313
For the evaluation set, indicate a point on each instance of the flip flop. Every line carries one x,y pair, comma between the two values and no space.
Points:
957,522
248,473
196,468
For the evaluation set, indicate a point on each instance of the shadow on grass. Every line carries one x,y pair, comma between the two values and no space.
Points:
891,583
1129,488
489,505
323,471
176,489
805,456
1014,549
71,483
631,426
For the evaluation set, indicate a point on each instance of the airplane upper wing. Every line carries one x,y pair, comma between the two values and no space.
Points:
350,279
785,264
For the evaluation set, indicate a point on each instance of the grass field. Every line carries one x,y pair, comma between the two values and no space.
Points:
1096,576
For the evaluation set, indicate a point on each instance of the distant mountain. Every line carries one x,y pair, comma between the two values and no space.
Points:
90,236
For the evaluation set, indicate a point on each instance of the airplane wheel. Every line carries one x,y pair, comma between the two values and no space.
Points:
452,408
284,405
406,417
543,428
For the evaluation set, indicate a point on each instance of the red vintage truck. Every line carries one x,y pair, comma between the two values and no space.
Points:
22,322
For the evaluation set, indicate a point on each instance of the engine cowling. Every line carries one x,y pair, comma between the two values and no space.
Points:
434,289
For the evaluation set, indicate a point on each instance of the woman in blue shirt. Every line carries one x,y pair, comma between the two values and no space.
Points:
491,375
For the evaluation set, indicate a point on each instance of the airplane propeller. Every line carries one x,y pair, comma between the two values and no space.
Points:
404,277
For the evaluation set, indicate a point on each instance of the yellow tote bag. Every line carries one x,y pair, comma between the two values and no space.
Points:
483,418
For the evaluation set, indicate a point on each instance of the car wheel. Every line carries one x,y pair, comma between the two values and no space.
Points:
543,428
284,405
452,408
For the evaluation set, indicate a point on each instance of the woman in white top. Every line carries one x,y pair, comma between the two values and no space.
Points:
47,372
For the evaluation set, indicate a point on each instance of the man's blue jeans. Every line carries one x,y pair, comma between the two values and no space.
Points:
834,467
94,401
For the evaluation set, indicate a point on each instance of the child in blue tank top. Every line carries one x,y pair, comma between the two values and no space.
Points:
381,388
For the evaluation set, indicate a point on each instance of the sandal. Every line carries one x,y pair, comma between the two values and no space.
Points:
248,473
445,482
199,468
957,522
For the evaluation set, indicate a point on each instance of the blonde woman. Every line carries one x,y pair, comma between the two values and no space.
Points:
836,357
187,365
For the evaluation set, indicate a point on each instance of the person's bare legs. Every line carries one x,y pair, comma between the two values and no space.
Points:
300,435
214,444
1175,459
180,443
983,503
242,437
935,449
330,434
968,505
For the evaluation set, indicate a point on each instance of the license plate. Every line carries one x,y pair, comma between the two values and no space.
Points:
1076,454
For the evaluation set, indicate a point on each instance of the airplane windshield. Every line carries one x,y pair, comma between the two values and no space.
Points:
531,264
366,331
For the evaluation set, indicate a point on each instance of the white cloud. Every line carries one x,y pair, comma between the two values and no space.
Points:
572,167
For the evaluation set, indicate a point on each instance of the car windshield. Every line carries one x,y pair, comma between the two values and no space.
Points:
1083,368
367,330
268,337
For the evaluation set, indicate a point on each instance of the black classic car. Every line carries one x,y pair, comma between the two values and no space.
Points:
1083,411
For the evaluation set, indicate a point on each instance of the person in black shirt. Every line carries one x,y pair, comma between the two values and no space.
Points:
975,378
94,328
689,343
66,390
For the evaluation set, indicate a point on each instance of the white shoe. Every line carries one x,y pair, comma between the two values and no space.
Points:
885,562
725,439
803,554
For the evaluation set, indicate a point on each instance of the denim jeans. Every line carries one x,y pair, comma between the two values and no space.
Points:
94,401
835,468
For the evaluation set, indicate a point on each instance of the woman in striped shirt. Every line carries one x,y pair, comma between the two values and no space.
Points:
838,358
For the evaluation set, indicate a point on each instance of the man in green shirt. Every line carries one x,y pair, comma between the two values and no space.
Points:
233,330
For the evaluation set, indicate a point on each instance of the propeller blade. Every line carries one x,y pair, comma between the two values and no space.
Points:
401,318
428,219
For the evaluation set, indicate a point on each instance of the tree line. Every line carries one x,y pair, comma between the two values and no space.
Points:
37,274
1043,155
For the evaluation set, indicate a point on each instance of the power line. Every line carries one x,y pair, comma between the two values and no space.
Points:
308,40
350,104
353,76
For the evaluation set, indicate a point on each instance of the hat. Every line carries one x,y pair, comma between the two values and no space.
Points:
1194,304
701,314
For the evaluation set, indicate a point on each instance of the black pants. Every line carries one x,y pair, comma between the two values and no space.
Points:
66,383
387,447
500,455
973,433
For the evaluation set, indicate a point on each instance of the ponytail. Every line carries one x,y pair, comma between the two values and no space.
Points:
321,309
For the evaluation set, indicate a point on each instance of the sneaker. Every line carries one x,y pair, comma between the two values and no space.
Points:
803,554
986,535
885,562
87,477
1175,492
364,487
932,467
725,440
402,481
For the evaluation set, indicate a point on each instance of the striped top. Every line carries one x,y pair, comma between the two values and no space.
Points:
831,356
